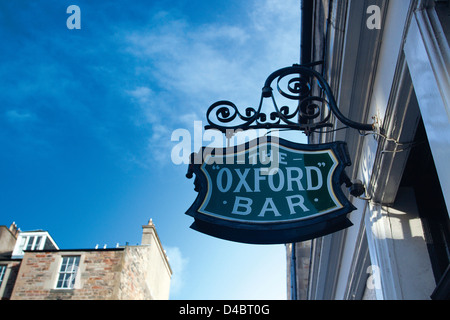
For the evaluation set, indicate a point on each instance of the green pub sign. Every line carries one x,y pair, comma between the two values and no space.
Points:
270,191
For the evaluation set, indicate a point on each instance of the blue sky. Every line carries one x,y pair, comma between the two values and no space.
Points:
86,118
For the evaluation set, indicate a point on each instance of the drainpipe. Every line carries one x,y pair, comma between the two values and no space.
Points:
306,12
293,273
306,31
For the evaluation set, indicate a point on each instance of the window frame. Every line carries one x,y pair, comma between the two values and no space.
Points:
32,241
66,278
3,268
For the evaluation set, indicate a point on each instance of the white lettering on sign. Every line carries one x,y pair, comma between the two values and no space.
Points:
243,206
280,181
276,179
296,179
309,178
258,178
242,202
220,180
299,203
242,181
269,205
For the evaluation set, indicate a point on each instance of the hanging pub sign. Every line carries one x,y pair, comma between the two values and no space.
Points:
270,191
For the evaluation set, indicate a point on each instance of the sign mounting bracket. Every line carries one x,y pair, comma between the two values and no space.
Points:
307,113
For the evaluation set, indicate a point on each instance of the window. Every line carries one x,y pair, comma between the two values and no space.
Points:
2,274
29,243
432,209
33,240
68,272
22,241
430,201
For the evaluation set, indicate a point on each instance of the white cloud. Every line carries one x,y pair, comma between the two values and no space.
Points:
142,94
186,67
205,63
178,263
19,116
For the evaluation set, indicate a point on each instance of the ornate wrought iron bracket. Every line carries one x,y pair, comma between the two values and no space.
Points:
295,83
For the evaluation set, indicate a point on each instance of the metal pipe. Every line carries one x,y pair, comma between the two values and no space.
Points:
306,10
293,272
306,31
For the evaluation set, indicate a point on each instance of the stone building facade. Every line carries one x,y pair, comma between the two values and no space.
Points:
387,63
125,273
8,267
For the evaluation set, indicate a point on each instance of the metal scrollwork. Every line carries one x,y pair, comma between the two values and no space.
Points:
293,84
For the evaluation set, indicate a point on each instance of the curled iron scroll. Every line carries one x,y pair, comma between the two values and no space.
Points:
306,112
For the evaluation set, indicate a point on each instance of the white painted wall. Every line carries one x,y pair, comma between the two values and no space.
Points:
395,237
428,56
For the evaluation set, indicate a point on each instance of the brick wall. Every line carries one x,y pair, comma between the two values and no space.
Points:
97,276
131,273
32,273
9,279
133,281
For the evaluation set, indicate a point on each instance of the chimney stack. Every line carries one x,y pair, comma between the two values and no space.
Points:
14,230
148,232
